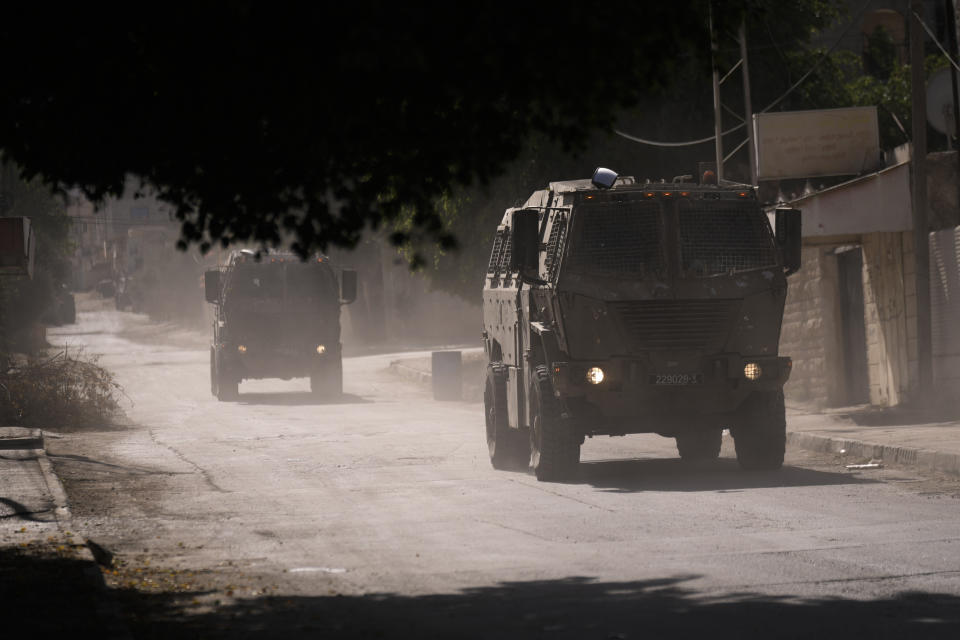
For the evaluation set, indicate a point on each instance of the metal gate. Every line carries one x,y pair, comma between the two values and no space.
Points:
855,371
945,304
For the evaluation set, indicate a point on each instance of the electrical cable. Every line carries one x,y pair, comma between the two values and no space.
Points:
935,41
822,58
690,143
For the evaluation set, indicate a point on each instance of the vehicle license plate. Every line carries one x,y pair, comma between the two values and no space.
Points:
676,379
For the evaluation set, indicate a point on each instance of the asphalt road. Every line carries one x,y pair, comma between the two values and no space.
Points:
379,516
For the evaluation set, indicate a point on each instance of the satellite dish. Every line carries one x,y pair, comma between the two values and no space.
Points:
940,101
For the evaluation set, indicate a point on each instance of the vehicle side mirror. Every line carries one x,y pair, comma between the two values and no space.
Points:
211,286
525,245
348,286
789,238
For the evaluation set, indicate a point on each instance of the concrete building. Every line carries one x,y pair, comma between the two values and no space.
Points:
851,314
101,234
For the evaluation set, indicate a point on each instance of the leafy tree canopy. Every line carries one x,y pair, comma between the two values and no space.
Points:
778,37
257,120
780,40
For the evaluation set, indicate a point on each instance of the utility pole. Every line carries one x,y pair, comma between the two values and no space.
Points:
717,120
952,48
747,105
918,158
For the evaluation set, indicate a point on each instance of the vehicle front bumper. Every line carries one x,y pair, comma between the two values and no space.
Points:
635,391
279,362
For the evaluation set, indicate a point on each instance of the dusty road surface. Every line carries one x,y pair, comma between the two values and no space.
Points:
379,516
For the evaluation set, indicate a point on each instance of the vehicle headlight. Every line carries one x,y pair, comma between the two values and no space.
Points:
752,371
321,349
594,375
241,348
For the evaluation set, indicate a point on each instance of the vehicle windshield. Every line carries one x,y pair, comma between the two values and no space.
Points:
258,281
723,236
282,281
618,238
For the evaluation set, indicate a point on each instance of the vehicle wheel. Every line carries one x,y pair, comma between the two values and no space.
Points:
227,385
69,309
699,445
554,448
509,448
760,434
326,381
213,372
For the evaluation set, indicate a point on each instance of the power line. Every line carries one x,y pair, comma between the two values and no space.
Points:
690,143
128,223
822,58
935,41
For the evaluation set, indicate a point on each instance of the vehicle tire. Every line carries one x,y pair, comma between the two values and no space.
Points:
213,372
68,310
509,448
227,384
326,380
760,434
554,447
700,444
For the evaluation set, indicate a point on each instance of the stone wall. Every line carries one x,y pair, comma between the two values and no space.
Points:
812,325
808,331
889,292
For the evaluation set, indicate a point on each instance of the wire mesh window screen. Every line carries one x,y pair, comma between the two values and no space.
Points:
506,254
618,238
722,237
555,245
495,253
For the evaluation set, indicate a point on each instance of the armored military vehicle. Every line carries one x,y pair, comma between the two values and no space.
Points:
277,317
613,307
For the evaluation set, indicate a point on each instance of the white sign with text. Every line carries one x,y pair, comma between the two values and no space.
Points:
823,142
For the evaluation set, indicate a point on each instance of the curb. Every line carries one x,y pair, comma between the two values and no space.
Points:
21,438
469,392
925,458
409,373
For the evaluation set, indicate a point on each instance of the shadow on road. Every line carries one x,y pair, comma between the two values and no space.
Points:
47,594
719,475
109,466
22,512
293,398
570,608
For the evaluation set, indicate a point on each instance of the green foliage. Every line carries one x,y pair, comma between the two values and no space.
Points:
880,54
679,110
779,36
261,119
842,80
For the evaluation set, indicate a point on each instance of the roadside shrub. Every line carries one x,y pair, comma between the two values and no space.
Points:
65,390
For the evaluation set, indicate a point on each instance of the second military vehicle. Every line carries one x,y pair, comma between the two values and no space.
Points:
612,307
277,316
